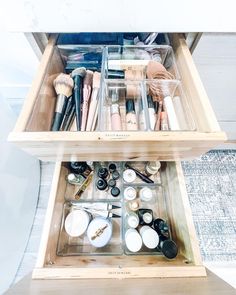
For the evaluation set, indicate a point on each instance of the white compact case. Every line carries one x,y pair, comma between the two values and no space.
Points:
77,222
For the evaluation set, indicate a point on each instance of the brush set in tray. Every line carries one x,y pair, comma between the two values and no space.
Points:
114,208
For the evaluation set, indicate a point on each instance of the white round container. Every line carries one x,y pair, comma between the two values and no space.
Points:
152,167
99,232
129,175
130,193
133,240
149,236
133,220
145,194
147,217
76,223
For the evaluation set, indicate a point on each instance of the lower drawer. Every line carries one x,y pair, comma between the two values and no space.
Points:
187,263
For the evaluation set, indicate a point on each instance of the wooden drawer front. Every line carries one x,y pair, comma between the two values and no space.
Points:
32,134
187,263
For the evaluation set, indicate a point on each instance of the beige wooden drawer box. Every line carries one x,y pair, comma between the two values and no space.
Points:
187,263
70,146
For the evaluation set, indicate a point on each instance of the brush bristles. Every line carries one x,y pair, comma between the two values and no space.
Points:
88,79
96,79
63,84
78,72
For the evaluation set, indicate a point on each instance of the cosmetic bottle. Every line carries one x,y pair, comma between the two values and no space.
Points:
151,112
130,193
149,236
111,183
142,121
116,124
145,216
101,184
146,194
133,240
115,191
161,227
132,220
152,168
168,247
130,120
80,168
115,175
103,173
129,175
164,121
112,167
75,179
133,205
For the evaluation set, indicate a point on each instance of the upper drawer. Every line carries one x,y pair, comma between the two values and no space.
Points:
32,131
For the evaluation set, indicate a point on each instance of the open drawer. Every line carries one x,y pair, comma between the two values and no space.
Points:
52,265
32,134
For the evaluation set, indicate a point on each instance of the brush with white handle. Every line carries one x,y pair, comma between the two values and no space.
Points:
87,89
92,114
172,118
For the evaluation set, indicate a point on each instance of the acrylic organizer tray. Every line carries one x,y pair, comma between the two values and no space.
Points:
93,198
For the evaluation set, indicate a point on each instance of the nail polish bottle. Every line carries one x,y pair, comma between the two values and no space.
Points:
101,184
116,124
130,120
145,216
168,247
103,173
151,111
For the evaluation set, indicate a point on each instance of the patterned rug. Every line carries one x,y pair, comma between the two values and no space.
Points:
211,187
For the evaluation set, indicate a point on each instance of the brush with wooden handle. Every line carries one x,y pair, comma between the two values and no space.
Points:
78,75
87,89
92,115
63,85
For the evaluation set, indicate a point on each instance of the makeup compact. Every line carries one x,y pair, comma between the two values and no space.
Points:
99,232
149,236
146,194
168,247
133,240
129,175
130,193
77,222
145,216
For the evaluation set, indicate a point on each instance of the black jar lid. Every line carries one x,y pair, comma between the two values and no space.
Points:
160,226
102,172
79,167
115,175
115,191
101,184
169,249
112,167
111,183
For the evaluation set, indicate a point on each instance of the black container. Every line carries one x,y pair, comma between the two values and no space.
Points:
115,191
101,184
142,219
112,167
111,183
115,175
103,173
80,168
168,247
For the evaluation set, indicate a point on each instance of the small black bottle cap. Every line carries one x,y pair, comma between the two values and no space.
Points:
115,175
101,184
112,167
169,249
102,172
150,102
115,191
111,183
130,106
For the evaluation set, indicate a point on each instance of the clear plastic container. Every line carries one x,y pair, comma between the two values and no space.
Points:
70,246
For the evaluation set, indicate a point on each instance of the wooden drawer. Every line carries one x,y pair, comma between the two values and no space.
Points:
187,263
120,146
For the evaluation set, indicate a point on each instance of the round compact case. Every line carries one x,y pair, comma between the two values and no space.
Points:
77,222
99,232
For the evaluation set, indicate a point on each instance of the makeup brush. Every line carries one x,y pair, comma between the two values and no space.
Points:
78,75
68,109
92,115
63,85
87,88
